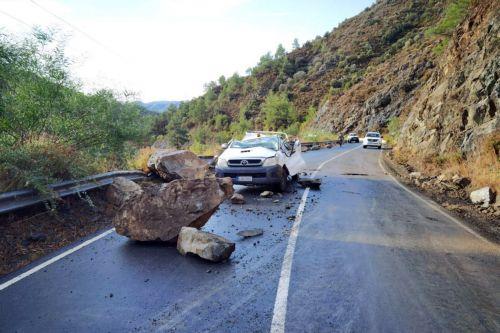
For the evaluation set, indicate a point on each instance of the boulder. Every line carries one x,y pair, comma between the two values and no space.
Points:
121,190
482,196
161,210
238,199
171,165
204,244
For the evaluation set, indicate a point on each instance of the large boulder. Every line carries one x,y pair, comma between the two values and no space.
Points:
204,244
482,196
122,190
161,210
171,165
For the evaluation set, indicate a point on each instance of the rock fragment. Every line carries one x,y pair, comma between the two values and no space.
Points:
250,233
204,244
266,194
238,199
307,181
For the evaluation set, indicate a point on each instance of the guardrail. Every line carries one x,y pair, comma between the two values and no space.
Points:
11,201
319,143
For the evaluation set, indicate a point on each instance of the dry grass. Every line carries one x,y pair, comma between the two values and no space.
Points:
140,161
482,167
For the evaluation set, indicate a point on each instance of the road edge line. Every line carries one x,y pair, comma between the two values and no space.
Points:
54,259
281,301
433,205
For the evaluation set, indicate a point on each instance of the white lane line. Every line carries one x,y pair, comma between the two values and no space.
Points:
432,204
280,304
54,259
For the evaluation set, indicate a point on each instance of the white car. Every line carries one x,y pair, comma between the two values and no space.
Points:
261,158
372,139
352,137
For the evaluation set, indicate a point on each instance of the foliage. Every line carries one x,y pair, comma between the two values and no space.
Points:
140,160
279,112
453,15
47,125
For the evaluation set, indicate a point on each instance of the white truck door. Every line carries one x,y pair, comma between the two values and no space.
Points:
294,161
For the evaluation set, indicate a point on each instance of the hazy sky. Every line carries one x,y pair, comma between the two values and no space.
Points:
168,49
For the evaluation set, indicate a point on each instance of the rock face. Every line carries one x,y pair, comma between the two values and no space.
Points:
482,196
122,190
171,165
204,244
161,210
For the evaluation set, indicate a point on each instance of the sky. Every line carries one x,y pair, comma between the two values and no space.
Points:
169,49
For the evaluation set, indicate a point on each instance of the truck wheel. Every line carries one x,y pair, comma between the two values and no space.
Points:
364,147
283,184
379,147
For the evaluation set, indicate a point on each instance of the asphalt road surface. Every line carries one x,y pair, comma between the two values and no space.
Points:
363,255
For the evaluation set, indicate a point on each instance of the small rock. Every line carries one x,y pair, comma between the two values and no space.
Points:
415,175
250,233
309,182
204,244
238,199
482,196
276,201
266,194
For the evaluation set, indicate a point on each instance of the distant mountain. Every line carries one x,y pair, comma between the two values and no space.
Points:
158,106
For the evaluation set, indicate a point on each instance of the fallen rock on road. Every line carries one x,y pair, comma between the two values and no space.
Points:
312,182
161,210
250,233
238,199
180,164
266,194
122,190
204,244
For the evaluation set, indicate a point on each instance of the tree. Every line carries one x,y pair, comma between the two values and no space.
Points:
295,44
280,52
279,112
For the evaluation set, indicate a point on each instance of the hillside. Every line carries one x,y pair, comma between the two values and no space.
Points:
426,69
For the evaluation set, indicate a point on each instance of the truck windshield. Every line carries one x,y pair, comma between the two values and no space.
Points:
373,135
265,142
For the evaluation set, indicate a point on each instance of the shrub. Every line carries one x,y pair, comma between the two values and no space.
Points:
140,160
453,15
41,161
279,112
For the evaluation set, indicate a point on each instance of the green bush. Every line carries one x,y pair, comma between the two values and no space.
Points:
47,124
454,14
279,112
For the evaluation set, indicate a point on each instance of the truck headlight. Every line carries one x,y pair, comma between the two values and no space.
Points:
221,163
270,161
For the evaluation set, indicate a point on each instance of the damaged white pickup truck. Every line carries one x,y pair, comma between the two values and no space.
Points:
261,158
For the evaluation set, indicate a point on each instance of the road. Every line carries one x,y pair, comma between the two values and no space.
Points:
366,255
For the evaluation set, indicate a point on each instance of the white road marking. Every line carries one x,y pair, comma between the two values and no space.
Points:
432,204
54,259
280,304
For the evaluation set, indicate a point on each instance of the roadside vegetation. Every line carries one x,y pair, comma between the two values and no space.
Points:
49,129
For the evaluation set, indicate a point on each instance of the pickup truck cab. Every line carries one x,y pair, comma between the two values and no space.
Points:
261,158
372,139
